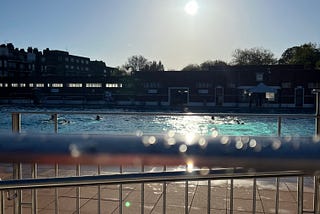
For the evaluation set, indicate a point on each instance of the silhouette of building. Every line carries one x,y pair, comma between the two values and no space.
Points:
288,86
35,76
56,77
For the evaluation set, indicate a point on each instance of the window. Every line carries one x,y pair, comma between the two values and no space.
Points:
152,91
75,85
203,91
259,77
313,85
39,85
111,85
57,85
286,85
152,85
3,85
270,96
22,85
67,59
14,85
231,85
203,85
67,66
93,85
12,65
31,85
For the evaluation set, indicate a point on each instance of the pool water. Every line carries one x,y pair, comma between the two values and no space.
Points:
155,124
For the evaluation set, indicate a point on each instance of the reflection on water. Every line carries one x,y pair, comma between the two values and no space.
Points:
133,124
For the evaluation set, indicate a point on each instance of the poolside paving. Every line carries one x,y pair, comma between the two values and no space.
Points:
175,200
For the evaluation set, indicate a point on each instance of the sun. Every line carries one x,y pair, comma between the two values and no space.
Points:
191,8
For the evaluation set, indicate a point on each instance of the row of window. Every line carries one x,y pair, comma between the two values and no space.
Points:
15,65
60,85
270,96
76,60
76,67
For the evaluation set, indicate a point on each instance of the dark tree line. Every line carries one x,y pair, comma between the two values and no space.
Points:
253,56
307,54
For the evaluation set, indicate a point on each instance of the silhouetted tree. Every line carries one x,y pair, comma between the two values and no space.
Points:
253,56
288,55
207,65
136,63
119,71
191,67
307,54
140,63
153,66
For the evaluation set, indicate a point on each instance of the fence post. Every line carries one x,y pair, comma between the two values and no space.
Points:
317,92
16,128
317,132
16,122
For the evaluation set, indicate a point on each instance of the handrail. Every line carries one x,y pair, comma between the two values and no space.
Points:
258,153
129,178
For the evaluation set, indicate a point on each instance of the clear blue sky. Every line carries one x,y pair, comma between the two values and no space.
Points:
113,30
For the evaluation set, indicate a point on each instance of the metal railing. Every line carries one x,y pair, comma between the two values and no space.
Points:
240,157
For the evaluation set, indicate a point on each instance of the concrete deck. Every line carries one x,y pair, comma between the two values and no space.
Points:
175,196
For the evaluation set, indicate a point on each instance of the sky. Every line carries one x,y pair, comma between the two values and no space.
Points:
113,30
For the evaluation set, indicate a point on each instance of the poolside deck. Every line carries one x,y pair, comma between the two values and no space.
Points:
175,196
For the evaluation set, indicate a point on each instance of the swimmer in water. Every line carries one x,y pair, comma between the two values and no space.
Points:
52,117
239,122
98,117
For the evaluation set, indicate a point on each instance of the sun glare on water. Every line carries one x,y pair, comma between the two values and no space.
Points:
191,8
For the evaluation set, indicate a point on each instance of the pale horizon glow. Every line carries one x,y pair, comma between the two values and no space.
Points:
114,30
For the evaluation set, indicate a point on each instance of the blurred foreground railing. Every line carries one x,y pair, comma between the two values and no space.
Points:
240,157
258,153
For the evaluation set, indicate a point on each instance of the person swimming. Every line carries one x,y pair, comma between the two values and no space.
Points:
239,121
52,117
60,120
63,121
98,117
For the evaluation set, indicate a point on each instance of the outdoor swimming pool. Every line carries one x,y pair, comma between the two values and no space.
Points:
139,123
